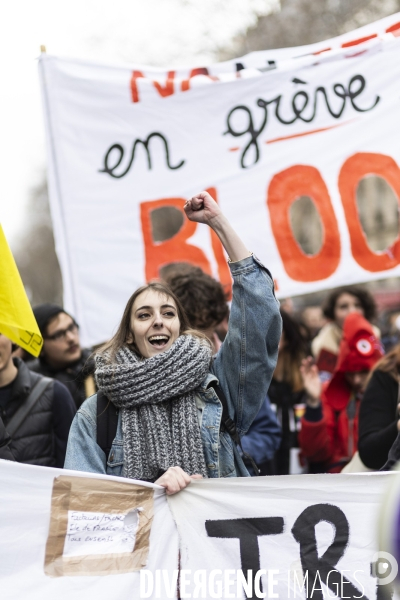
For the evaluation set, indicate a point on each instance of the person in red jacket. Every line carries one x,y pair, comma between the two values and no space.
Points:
329,428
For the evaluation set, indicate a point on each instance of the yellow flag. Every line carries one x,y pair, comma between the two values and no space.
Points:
17,321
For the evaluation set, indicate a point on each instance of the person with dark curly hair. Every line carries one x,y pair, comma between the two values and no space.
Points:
202,297
338,304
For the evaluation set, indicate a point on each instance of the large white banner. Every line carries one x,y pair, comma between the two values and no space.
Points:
65,534
122,147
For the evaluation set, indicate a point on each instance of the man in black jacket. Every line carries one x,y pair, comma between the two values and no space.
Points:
5,440
62,357
42,434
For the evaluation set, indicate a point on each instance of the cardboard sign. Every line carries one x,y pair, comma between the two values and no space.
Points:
98,527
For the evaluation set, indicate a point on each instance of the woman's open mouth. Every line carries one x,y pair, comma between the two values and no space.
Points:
159,341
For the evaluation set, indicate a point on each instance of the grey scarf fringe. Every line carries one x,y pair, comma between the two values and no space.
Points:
159,414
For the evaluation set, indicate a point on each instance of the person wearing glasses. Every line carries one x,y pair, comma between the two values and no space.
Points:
35,413
62,356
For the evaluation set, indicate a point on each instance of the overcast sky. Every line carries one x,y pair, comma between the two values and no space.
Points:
152,32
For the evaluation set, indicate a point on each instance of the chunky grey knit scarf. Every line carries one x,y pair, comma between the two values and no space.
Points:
159,414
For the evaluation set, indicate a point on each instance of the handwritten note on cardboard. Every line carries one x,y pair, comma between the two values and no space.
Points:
100,533
98,527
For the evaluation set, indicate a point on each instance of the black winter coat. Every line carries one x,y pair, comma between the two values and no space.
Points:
281,394
73,377
42,437
377,421
5,452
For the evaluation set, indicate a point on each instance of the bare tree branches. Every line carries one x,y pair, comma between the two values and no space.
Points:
35,255
301,22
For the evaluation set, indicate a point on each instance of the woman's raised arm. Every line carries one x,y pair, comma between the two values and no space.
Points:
247,358
202,208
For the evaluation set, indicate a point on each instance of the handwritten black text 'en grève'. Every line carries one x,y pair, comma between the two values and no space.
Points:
299,104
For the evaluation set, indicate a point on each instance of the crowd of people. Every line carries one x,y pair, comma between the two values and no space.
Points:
193,386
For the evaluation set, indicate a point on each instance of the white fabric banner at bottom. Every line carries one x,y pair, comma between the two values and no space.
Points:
296,533
66,535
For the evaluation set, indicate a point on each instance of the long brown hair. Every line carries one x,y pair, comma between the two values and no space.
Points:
294,350
124,331
390,363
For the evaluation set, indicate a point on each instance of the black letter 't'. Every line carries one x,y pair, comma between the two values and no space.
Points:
247,532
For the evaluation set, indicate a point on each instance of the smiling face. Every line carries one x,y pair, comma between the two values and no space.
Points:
154,323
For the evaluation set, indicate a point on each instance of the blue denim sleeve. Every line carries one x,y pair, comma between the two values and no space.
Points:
83,452
264,435
246,360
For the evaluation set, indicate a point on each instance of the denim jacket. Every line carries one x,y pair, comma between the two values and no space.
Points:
243,367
